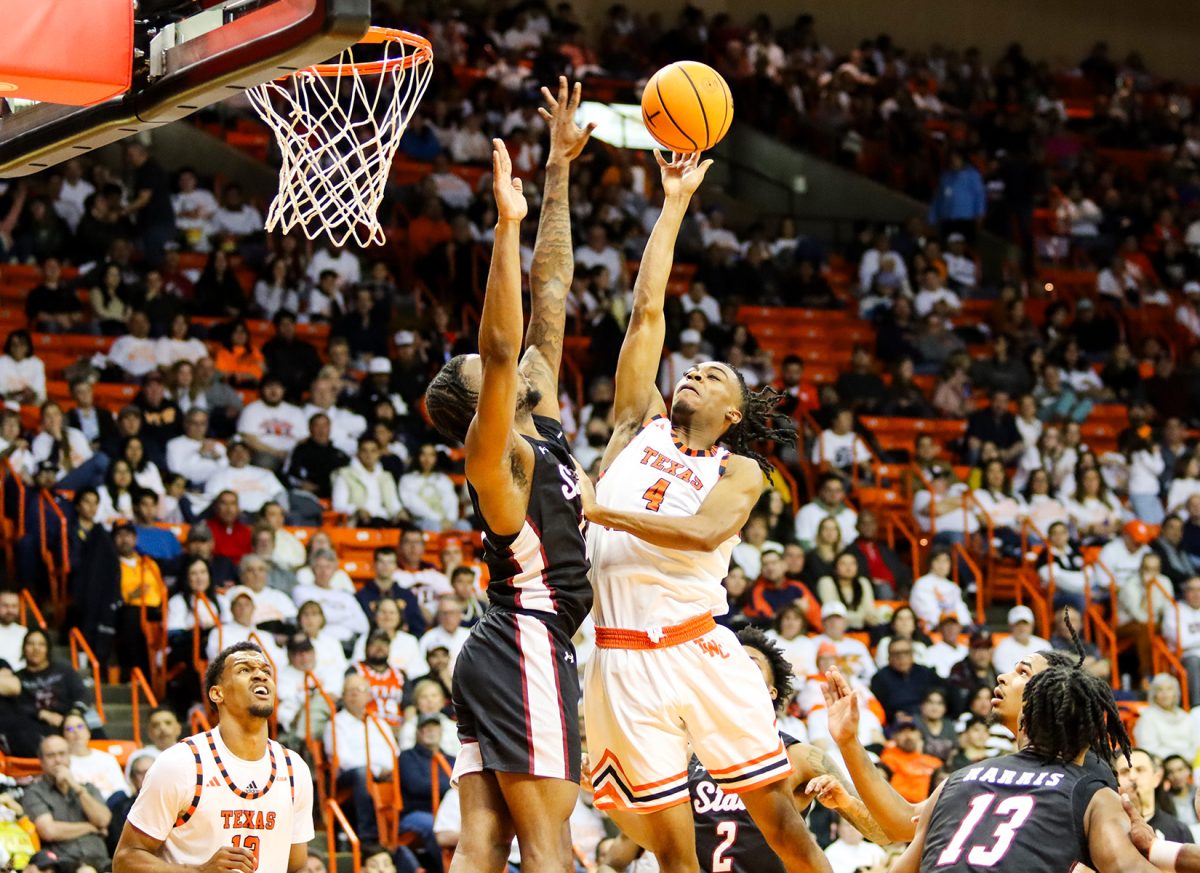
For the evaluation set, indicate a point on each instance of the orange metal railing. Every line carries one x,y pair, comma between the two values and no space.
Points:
138,686
29,608
79,644
335,818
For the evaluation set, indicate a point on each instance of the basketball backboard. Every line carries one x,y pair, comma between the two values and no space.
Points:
182,66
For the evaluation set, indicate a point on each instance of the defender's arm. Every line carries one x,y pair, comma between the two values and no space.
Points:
489,441
553,258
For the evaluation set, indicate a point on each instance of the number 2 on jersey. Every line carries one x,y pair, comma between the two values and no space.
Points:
1016,809
721,864
655,495
250,843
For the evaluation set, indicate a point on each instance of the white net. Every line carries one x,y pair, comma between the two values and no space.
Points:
338,127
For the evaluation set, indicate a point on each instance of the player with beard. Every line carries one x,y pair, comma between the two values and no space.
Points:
896,815
230,800
516,687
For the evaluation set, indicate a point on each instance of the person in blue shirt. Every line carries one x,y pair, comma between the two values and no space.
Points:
154,542
419,142
417,769
959,201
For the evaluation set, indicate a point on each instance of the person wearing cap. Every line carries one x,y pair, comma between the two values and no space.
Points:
377,388
271,426
1123,555
200,543
141,585
773,590
429,496
905,757
253,485
160,415
347,426
419,766
134,354
364,491
853,656
974,671
679,362
947,651
1020,643
936,593
962,271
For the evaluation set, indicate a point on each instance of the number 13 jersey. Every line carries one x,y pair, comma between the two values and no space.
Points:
198,796
1014,813
639,584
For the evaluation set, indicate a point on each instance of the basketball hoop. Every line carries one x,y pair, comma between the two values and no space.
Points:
338,126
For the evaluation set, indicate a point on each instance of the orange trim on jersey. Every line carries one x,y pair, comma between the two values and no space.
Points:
750,786
751,762
191,810
609,758
710,452
660,638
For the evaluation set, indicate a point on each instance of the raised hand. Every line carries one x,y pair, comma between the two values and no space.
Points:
842,703
1140,833
682,175
567,139
510,201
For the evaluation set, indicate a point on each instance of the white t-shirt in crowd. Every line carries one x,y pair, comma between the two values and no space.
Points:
101,771
840,450
280,426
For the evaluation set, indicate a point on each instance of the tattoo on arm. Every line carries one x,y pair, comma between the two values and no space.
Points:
551,273
856,812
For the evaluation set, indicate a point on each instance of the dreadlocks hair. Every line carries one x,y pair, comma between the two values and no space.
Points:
781,667
759,422
1067,660
449,402
1067,711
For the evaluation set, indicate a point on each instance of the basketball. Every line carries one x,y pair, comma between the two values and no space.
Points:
687,106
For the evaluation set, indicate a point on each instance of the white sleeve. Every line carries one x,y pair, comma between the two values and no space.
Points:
248,421
302,804
923,603
817,447
166,794
37,379
341,496
410,497
862,454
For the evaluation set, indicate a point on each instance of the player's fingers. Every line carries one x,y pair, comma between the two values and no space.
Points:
548,97
517,186
704,167
563,92
587,131
658,157
545,113
827,693
576,96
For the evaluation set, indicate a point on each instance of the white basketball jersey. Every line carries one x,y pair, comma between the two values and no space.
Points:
198,797
637,584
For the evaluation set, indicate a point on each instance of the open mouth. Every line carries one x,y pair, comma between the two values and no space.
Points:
689,388
262,691
997,695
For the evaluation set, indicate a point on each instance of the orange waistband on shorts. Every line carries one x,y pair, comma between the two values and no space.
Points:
655,637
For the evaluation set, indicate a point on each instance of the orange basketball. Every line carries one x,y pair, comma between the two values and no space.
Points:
687,106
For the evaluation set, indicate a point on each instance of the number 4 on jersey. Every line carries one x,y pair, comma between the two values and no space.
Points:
655,494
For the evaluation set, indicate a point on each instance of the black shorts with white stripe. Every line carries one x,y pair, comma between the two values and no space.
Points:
516,696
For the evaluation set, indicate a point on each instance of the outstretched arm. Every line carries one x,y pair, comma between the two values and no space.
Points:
910,861
816,776
490,438
1108,834
637,395
893,813
553,258
723,513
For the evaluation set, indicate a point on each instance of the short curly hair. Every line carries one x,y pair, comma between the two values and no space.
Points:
781,667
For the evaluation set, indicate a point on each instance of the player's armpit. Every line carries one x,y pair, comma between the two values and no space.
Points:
722,515
1107,829
138,852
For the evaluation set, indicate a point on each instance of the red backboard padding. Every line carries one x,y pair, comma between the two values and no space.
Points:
75,52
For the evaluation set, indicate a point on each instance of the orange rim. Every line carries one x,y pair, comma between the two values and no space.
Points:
422,52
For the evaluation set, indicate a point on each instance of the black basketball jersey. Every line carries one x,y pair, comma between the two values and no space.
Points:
727,839
542,569
1013,813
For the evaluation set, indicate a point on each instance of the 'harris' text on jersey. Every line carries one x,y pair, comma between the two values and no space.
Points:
656,461
1001,776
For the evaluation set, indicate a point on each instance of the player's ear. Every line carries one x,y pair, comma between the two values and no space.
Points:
733,416
215,695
